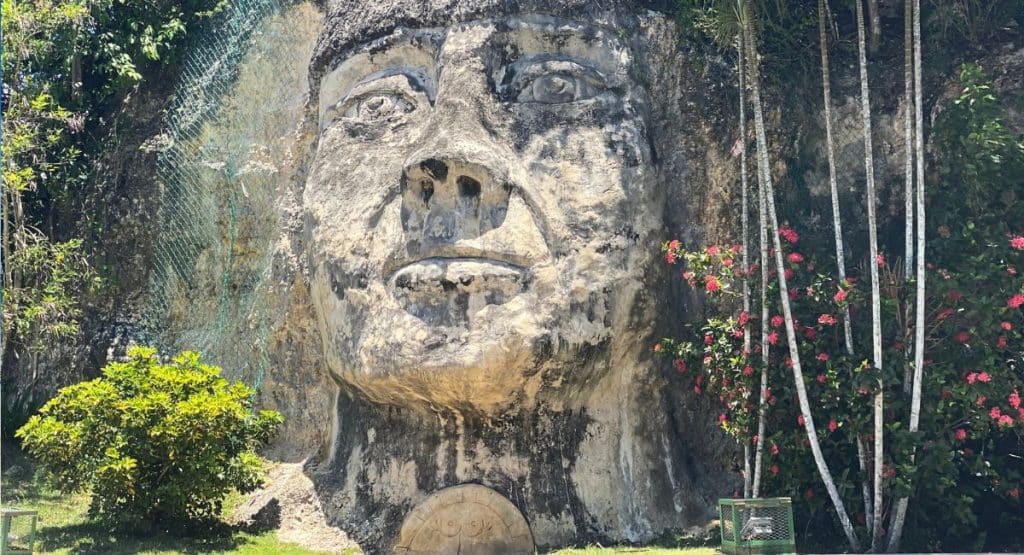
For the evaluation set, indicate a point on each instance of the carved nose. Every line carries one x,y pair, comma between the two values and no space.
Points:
445,200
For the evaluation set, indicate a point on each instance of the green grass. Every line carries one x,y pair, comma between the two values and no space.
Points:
64,527
651,550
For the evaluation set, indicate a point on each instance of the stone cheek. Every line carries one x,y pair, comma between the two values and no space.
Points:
465,519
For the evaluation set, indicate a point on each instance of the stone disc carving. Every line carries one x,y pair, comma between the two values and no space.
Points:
465,519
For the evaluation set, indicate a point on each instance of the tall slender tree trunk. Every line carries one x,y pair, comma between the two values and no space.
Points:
876,302
769,195
837,227
908,174
745,217
919,308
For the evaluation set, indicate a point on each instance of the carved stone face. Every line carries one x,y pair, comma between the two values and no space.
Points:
477,208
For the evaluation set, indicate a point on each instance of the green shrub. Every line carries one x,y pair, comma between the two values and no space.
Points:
152,441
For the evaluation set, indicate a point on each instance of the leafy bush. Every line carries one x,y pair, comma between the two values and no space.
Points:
966,477
152,441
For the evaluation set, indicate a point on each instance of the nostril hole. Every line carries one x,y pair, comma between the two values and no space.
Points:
426,189
435,169
468,187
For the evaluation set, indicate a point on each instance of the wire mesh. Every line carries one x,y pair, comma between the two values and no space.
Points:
224,157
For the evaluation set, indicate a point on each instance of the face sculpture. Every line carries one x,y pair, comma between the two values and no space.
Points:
478,208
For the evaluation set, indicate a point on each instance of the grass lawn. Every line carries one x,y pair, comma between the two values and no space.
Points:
646,550
64,528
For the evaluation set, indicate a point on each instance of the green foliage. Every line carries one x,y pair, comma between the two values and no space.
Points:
152,441
64,62
966,479
43,306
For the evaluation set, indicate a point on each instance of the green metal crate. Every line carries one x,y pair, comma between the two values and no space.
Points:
757,526
17,531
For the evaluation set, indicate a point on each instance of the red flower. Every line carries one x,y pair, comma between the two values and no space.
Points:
727,262
1001,342
888,471
1006,326
984,377
800,419
972,377
680,365
1014,399
788,272
827,319
775,449
840,295
744,318
789,234
793,293
995,413
748,371
713,250
789,362
823,357
1006,420
708,339
795,257
962,337
1017,242
944,313
722,418
1011,270
696,389
1015,301
777,321
809,493
810,333
735,249
960,434
980,401
1014,493
822,378
954,295
775,469
688,276
880,260
657,347
773,338
712,284
832,425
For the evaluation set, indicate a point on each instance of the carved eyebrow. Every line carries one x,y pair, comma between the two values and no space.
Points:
413,54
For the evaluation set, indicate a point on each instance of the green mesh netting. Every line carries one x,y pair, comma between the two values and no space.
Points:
226,158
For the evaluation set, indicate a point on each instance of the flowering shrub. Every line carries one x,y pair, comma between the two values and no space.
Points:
965,477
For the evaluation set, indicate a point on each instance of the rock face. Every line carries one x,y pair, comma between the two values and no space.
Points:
474,239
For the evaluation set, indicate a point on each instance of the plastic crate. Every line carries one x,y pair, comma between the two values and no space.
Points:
756,526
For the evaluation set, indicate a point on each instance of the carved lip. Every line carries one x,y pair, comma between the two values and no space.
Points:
456,272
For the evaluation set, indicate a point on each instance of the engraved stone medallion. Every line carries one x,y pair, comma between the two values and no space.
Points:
465,519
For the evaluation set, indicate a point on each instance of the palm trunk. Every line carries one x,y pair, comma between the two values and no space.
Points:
747,485
908,171
876,305
769,195
915,401
837,226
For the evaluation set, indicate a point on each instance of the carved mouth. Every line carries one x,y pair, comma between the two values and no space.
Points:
447,291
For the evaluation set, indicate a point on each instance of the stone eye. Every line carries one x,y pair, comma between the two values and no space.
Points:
556,82
380,106
554,89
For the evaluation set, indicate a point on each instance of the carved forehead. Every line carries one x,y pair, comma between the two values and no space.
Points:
350,23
